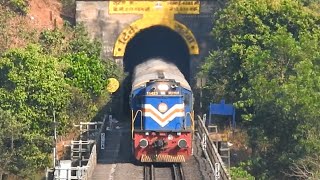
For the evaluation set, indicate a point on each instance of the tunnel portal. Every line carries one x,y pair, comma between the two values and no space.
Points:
160,42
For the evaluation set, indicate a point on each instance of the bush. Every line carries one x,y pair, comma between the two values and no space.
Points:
240,173
62,73
19,6
267,62
32,88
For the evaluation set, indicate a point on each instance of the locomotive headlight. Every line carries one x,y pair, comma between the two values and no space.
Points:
163,87
143,143
170,137
163,107
182,143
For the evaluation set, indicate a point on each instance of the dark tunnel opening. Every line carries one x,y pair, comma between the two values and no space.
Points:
155,42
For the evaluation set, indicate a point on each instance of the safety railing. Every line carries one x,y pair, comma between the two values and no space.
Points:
92,161
191,118
211,152
70,173
81,172
134,116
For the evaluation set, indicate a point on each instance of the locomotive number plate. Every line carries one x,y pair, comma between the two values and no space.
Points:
173,93
152,93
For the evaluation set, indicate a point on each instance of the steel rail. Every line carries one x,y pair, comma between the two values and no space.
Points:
146,172
149,172
178,172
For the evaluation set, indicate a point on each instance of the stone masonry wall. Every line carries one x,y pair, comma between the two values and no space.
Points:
107,27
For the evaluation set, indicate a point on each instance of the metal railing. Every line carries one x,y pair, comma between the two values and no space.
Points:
92,162
70,173
134,116
191,114
81,172
211,152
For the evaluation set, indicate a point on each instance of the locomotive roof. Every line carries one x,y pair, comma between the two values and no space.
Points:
157,69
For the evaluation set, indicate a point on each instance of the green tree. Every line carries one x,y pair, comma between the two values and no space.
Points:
240,172
267,62
10,134
83,67
64,73
19,6
86,73
31,88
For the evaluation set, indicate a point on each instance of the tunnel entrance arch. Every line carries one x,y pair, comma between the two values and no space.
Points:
164,38
157,42
131,31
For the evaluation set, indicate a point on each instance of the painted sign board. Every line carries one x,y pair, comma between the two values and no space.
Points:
141,7
154,13
103,140
222,109
113,85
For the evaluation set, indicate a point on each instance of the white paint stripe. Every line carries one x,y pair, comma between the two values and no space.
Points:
112,171
162,124
156,111
165,115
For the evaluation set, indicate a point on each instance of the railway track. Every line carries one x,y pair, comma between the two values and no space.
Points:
163,172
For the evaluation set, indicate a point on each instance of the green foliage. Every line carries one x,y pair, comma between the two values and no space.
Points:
31,89
83,68
83,65
59,42
62,73
81,42
10,134
53,42
240,172
267,62
19,6
86,73
31,86
80,55
308,2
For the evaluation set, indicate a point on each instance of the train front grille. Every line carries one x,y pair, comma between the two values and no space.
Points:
162,158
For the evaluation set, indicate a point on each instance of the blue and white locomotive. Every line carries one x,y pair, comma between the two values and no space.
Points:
161,102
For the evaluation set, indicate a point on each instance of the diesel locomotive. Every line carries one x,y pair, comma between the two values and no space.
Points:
162,118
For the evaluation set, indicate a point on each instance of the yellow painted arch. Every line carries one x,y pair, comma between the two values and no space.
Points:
129,32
